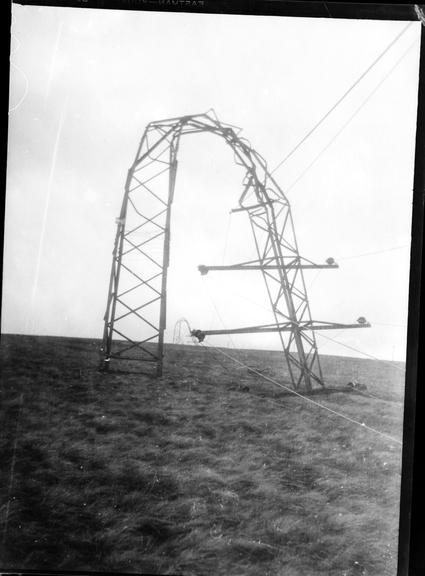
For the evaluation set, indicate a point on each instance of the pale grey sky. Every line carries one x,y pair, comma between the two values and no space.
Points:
84,84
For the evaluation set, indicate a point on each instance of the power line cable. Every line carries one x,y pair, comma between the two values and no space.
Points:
226,237
374,252
367,394
237,294
216,311
309,400
355,390
344,126
391,325
361,352
346,93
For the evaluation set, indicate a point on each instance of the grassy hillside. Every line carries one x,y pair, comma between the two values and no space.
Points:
208,470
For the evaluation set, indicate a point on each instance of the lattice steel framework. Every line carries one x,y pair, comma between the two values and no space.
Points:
138,281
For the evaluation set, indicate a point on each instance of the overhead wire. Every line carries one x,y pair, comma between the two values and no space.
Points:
350,119
210,350
364,254
329,338
398,36
375,252
398,61
364,353
319,333
292,391
318,404
310,400
206,289
391,325
332,140
226,237
341,98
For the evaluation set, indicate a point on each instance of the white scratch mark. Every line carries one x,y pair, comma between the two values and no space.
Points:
46,209
53,62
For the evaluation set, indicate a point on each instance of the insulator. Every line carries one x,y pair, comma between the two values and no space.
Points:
198,334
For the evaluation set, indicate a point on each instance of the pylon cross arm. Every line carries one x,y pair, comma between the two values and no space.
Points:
282,327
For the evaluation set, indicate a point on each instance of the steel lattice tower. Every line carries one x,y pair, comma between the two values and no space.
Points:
138,282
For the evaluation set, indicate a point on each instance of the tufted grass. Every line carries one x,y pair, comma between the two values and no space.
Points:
194,473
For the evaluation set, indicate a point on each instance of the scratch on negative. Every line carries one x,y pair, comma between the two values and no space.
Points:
12,470
46,206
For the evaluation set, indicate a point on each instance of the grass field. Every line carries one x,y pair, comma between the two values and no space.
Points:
208,470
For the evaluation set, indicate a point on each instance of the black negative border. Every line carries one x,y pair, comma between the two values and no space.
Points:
295,8
411,553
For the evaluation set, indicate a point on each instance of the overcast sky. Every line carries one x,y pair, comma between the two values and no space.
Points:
84,84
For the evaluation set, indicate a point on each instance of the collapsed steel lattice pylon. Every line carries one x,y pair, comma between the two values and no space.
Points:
142,246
